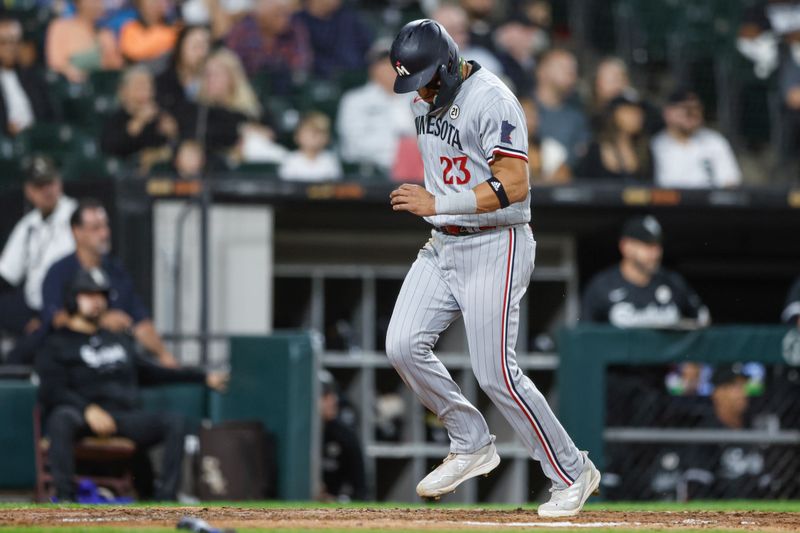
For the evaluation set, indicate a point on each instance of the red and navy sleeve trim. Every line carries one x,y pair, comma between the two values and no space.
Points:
506,152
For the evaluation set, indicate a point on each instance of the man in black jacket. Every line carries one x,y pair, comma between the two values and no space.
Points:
24,98
90,385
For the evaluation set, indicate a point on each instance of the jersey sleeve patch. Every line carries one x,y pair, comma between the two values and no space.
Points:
505,131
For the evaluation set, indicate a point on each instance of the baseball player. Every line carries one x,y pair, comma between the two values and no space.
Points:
477,264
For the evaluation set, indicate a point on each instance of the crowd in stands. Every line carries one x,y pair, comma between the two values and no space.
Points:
247,79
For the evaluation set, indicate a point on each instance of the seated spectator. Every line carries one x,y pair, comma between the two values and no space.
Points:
688,155
179,83
89,385
125,312
343,475
271,41
311,161
791,311
75,47
547,158
148,37
611,80
372,119
38,240
518,43
638,292
765,25
559,117
339,38
24,97
139,126
229,113
190,160
455,22
621,151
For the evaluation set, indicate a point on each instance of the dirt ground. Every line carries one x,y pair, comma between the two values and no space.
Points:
424,518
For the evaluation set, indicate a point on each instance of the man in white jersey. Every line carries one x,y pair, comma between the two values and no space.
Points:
478,262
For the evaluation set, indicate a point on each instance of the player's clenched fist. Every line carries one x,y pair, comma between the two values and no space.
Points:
414,199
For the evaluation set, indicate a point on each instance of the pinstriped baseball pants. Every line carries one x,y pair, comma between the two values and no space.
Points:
482,277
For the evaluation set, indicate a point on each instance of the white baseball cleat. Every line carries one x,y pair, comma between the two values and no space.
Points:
457,468
569,501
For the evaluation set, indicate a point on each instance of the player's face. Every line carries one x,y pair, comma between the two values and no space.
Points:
646,257
429,92
91,305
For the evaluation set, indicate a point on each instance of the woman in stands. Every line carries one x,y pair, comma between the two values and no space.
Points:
179,84
75,47
139,127
621,151
228,117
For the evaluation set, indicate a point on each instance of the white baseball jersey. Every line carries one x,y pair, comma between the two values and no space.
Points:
481,276
458,146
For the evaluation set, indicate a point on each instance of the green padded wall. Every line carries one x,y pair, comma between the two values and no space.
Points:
272,380
586,351
17,469
188,399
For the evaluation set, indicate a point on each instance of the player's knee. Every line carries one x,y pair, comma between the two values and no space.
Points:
396,347
490,386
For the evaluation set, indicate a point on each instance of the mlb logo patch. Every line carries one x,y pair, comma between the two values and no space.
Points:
505,131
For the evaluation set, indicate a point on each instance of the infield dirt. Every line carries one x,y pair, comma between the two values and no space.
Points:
389,518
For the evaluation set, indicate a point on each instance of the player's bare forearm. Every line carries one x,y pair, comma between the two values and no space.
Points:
414,199
513,174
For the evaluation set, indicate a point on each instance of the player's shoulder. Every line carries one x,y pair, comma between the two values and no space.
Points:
491,90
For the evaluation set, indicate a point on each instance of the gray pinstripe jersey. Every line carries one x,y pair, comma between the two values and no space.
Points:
459,146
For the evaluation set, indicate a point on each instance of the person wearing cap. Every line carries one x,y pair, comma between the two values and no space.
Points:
343,476
621,151
38,240
638,292
89,385
689,155
126,313
372,119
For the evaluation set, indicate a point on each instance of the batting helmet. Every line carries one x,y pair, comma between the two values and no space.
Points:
421,50
94,280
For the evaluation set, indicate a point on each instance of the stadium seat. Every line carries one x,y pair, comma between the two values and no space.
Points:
267,171
57,140
106,451
79,167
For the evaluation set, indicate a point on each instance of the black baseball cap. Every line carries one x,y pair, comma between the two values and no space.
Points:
727,374
40,169
643,228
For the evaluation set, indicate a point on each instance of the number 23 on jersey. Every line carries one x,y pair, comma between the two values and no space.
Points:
461,174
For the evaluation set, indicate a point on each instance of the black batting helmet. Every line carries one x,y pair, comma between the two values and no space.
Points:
94,280
421,50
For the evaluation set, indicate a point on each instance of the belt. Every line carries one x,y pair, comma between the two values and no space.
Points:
462,230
